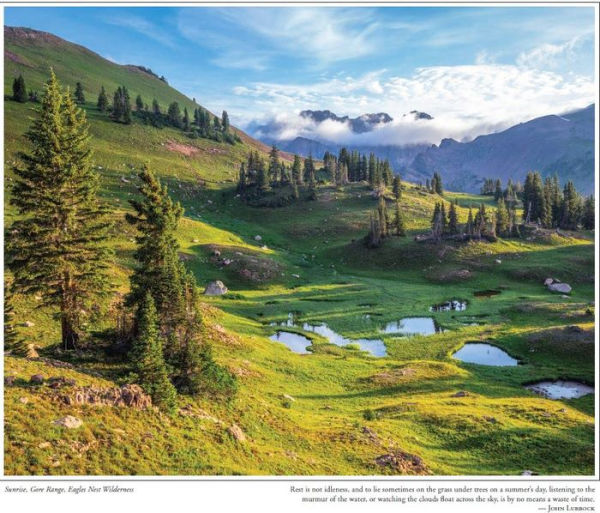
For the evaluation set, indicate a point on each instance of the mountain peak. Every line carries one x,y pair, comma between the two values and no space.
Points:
361,124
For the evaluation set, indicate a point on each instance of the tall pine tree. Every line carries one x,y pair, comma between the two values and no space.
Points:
58,248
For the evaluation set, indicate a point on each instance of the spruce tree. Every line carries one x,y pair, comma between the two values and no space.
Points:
102,102
297,170
309,169
274,167
79,96
588,217
225,121
155,107
186,119
397,187
399,221
19,90
139,103
159,270
147,357
452,220
502,219
174,114
58,247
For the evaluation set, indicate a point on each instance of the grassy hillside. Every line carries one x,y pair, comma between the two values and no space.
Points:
337,409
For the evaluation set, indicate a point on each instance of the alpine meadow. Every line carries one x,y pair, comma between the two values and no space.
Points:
190,291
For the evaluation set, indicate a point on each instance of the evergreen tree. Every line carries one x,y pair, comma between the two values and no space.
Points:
225,121
382,217
309,169
186,119
571,207
399,221
452,220
297,170
437,184
216,124
397,187
159,270
79,96
139,103
262,181
102,102
155,107
588,217
241,188
174,115
147,357
274,167
502,219
19,90
469,228
498,192
58,248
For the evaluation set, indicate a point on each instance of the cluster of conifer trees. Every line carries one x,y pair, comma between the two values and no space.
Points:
20,93
204,125
546,204
544,201
58,249
381,225
258,178
351,166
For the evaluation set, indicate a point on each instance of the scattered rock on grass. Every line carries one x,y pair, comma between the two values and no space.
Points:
69,422
215,288
36,379
461,393
9,381
402,462
562,288
31,351
236,432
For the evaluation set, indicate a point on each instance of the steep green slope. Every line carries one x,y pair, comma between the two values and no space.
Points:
346,407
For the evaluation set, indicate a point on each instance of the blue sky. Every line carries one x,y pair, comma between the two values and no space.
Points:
473,69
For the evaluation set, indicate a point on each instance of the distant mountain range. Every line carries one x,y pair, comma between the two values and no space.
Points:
562,144
359,125
550,144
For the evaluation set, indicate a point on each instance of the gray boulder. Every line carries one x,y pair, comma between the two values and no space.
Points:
69,422
215,288
561,288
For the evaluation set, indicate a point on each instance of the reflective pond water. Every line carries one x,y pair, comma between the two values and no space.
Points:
560,389
413,326
374,346
454,304
485,354
297,343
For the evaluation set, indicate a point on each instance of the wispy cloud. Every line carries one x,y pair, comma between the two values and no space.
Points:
251,37
144,27
555,56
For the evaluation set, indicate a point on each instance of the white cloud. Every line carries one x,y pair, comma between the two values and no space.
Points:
465,101
554,56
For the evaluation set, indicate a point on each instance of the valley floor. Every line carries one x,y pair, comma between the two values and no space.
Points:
336,410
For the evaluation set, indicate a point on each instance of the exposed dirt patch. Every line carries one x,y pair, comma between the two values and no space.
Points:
15,58
393,376
182,149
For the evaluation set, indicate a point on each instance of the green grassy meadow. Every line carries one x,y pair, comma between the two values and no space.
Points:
346,407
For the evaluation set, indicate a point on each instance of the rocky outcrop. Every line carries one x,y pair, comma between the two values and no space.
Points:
400,462
236,432
215,288
131,396
554,285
